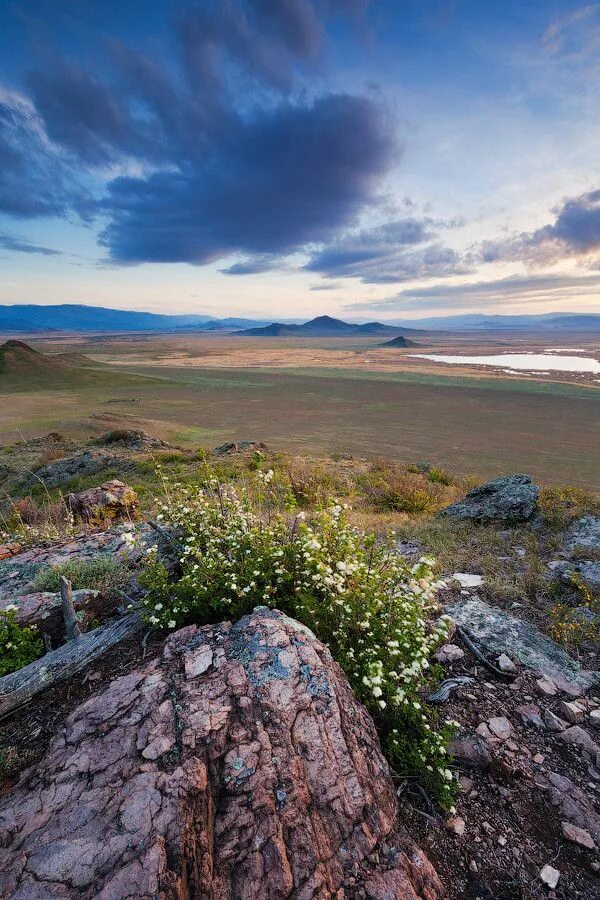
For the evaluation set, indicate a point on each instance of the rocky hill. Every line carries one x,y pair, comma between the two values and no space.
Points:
230,758
321,326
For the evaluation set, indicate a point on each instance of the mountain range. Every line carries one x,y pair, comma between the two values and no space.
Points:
31,318
77,317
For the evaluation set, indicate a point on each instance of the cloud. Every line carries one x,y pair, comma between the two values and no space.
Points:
253,266
575,232
18,245
34,179
219,145
486,294
387,254
289,176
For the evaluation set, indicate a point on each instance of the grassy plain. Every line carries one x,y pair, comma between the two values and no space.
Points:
321,396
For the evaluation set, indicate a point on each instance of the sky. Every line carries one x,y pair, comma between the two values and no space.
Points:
387,159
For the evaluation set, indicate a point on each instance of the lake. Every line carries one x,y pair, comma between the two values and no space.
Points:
542,362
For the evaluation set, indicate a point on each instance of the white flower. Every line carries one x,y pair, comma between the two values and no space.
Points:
171,623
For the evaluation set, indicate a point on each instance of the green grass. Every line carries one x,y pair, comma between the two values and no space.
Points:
102,573
467,425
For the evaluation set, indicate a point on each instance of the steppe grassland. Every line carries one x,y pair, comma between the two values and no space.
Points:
472,422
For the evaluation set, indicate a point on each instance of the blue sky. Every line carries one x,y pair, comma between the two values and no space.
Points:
282,158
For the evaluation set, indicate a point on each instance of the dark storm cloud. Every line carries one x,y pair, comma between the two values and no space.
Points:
389,253
288,177
34,182
234,154
574,232
82,114
18,245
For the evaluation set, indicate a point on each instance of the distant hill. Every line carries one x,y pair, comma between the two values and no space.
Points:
22,368
322,326
399,341
30,318
481,322
19,360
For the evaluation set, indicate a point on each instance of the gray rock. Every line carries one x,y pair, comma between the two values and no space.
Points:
574,804
500,727
498,632
584,533
449,653
578,737
552,722
471,750
512,498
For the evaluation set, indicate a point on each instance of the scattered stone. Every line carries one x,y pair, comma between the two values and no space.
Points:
595,718
575,805
512,498
500,727
8,550
571,711
471,750
549,875
449,653
467,581
466,784
483,731
580,738
530,715
456,825
473,866
578,835
496,631
546,687
538,758
96,506
505,663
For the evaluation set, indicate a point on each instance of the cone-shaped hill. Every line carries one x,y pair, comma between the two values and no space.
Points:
399,341
22,368
19,360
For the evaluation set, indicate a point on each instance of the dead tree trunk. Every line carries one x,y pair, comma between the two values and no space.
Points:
72,629
22,686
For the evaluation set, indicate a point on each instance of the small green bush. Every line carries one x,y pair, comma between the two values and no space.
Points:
359,597
439,476
103,573
19,644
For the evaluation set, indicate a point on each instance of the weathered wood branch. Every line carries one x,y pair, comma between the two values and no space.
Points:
72,629
22,686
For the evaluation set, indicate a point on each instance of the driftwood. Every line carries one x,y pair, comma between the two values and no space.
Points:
22,686
72,629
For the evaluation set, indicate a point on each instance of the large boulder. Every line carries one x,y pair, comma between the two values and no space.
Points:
79,465
512,498
238,765
97,506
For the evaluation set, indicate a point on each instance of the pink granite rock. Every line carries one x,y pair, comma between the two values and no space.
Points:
238,765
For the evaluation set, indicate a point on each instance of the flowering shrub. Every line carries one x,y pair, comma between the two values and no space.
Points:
359,597
19,645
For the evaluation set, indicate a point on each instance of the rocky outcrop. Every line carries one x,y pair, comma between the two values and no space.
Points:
133,439
496,631
237,446
512,498
584,534
110,501
79,465
238,765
